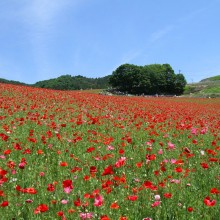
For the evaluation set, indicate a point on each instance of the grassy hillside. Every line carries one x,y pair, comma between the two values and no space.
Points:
209,87
211,79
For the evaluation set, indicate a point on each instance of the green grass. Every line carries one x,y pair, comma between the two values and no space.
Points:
214,78
209,87
212,90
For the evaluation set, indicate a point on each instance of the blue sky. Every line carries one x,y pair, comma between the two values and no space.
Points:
43,39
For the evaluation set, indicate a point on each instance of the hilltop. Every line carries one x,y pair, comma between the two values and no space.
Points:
67,82
211,79
209,87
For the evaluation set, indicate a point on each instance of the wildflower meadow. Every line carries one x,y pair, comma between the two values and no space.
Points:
77,155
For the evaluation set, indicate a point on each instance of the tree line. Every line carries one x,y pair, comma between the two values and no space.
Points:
149,79
68,82
128,78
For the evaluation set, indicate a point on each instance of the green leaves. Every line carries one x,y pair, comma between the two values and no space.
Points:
150,79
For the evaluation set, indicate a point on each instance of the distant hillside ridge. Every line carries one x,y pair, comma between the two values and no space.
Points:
67,82
209,87
213,78
12,82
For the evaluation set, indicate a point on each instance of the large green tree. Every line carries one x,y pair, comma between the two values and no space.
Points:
125,77
180,83
148,79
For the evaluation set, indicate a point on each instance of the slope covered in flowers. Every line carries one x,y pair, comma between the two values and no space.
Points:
74,155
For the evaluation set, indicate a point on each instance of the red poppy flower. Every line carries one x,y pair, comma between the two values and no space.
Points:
209,202
86,177
93,169
63,164
189,209
147,184
67,186
121,151
178,169
30,190
4,204
108,171
77,202
123,218
90,149
114,205
41,208
6,152
214,191
212,159
4,137
167,195
139,164
132,197
60,213
17,146
104,217
75,169
204,165
3,172
151,157
50,187
2,193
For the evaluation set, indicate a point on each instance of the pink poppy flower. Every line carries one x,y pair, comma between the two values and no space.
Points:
98,200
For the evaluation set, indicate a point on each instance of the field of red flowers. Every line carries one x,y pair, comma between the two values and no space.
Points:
76,155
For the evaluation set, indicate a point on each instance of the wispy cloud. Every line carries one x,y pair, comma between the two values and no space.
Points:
157,35
191,15
128,57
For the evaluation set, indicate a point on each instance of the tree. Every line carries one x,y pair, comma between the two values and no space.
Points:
180,83
148,79
170,77
125,77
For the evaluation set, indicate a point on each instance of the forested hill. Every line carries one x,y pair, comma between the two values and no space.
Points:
67,82
11,82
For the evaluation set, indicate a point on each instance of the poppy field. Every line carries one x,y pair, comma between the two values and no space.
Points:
77,155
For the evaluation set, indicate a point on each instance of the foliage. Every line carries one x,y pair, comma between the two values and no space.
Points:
11,82
149,79
76,155
68,82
